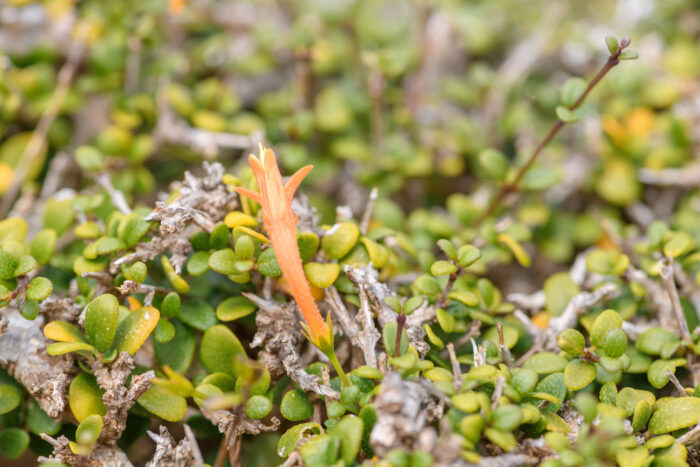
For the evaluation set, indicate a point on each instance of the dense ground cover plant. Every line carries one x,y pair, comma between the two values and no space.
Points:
494,259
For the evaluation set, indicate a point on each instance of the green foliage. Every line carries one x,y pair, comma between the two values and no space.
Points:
423,284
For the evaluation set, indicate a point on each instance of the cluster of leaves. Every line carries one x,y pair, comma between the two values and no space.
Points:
347,86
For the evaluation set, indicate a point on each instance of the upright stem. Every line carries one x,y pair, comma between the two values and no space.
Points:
400,321
612,61
339,368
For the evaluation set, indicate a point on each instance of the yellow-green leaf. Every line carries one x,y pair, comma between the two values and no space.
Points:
340,239
675,414
89,430
178,283
133,331
101,317
60,348
518,251
43,245
85,397
219,349
63,331
234,308
321,275
163,403
578,374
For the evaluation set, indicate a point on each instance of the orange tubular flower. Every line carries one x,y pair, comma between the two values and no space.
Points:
275,197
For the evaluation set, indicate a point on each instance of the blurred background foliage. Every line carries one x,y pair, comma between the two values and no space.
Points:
402,96
434,103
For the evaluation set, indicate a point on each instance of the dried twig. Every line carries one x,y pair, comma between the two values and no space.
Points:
669,283
116,196
23,354
498,391
367,216
456,370
503,351
691,436
366,279
578,305
366,337
676,383
118,398
278,332
687,177
173,130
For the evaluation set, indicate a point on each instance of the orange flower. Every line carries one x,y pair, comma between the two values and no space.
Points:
275,197
176,7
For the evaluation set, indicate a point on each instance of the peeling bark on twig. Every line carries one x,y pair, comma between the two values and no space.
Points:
366,281
170,453
365,338
118,398
202,200
102,456
23,354
278,333
405,413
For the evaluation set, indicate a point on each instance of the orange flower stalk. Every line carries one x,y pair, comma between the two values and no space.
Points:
275,198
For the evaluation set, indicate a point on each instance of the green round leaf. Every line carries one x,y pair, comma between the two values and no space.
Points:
268,265
389,338
258,407
674,414
578,374
171,305
468,255
198,314
321,275
615,343
178,352
163,403
89,430
349,430
603,324
222,261
290,439
85,397
10,397
559,289
43,245
573,89
164,331
234,308
198,263
442,268
39,422
13,442
296,406
339,240
25,265
571,341
507,417
135,272
652,340
545,362
219,349
133,331
101,316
